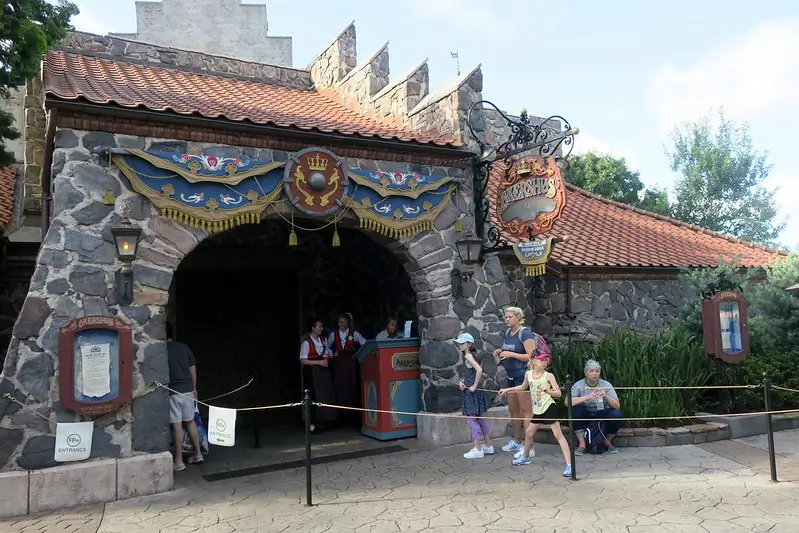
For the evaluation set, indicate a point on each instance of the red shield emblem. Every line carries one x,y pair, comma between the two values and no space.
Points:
315,182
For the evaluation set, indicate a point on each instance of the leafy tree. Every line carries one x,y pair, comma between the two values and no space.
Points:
27,29
721,180
610,178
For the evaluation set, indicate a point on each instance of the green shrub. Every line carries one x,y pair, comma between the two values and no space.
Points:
670,358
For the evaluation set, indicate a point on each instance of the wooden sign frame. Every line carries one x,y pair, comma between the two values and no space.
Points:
712,331
95,332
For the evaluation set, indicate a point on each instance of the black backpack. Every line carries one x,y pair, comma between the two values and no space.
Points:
595,438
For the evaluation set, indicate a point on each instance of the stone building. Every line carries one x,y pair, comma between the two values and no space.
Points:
219,278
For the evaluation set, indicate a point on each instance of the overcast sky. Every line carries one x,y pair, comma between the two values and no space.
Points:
623,71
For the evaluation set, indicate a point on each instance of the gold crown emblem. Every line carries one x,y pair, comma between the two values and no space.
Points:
524,167
317,163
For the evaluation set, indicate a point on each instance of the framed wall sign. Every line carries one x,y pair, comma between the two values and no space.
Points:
96,367
724,322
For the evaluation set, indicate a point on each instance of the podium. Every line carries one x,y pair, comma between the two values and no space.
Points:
390,382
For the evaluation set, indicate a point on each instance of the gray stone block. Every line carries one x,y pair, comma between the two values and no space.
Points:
646,442
679,437
75,485
144,474
440,431
13,494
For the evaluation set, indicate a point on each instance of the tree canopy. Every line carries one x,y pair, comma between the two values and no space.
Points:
721,180
27,29
611,178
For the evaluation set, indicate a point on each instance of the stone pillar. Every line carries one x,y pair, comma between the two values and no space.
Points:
74,277
34,132
332,65
365,81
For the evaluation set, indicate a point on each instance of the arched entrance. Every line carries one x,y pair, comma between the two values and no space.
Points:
242,299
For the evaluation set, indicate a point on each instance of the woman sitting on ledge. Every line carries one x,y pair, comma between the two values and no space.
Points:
595,398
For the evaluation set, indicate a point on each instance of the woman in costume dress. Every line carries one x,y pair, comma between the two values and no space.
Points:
314,358
344,342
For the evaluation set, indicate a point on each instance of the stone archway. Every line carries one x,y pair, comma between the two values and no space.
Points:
74,276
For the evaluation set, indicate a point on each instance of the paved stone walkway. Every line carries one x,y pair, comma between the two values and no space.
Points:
685,489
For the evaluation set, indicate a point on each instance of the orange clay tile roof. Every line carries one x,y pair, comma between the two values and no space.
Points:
8,179
604,233
104,81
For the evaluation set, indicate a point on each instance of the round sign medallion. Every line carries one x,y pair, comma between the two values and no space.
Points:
315,182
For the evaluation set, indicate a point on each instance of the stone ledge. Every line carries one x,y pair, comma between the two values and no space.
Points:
77,484
441,431
655,437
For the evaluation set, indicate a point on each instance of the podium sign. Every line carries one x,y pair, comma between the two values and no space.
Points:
95,365
390,382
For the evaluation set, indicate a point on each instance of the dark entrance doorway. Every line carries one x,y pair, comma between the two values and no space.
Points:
242,300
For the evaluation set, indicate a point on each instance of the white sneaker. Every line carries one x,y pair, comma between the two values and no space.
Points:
511,446
474,453
520,453
488,450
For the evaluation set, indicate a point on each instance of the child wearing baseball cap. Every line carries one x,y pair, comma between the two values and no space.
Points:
474,404
543,389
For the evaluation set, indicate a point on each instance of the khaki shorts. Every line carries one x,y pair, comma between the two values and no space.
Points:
181,408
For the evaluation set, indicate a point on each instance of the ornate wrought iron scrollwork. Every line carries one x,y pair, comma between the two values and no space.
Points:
720,284
525,136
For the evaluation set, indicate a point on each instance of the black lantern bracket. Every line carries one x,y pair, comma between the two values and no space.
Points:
525,137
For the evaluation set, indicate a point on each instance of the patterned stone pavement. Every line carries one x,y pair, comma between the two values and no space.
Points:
682,489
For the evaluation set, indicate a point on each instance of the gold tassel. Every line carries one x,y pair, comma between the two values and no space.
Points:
293,238
336,239
458,226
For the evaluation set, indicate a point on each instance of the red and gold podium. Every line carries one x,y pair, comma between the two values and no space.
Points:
390,382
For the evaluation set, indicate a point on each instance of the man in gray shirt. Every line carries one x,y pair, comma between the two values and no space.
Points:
595,398
183,382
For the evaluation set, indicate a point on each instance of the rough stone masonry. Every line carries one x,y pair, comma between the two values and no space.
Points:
74,277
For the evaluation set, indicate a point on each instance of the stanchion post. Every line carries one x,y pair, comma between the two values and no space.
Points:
772,455
306,405
571,426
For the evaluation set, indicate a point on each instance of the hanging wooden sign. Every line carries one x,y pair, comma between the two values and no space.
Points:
530,197
725,327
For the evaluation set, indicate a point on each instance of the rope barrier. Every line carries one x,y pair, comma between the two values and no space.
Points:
552,420
260,408
231,392
784,389
665,387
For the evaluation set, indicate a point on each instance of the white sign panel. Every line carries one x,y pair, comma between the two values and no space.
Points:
407,331
95,369
73,441
221,426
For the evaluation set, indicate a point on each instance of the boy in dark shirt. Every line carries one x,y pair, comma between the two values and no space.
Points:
182,380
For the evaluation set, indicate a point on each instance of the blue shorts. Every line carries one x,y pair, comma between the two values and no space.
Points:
515,377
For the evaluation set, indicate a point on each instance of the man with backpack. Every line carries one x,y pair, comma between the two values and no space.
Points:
594,398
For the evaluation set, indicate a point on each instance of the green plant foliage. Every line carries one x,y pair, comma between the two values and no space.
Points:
670,358
27,29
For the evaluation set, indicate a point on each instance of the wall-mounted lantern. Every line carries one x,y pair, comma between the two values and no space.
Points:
469,249
725,321
126,239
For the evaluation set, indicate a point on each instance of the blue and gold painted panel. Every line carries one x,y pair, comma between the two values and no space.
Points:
370,393
404,395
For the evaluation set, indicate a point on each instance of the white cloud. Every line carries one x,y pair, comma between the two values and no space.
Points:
756,74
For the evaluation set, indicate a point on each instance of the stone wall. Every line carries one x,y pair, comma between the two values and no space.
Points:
331,66
363,82
175,58
222,27
34,134
604,301
74,277
15,104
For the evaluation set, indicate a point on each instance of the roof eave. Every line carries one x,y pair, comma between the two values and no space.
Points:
310,136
